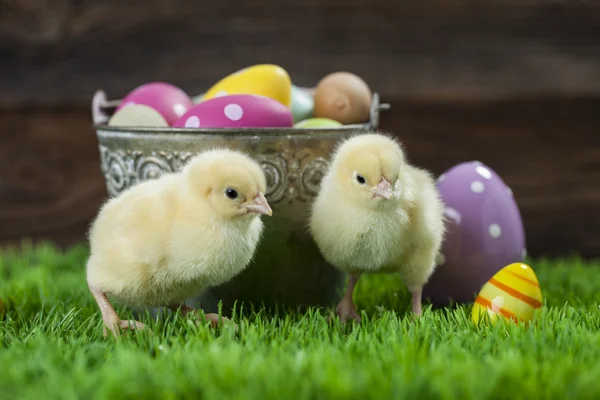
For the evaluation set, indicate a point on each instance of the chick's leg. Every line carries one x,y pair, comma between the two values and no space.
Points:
109,317
416,292
185,310
346,308
416,271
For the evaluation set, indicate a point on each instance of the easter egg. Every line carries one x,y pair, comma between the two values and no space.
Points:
302,104
170,101
237,111
318,123
137,115
198,99
512,293
343,97
484,232
264,79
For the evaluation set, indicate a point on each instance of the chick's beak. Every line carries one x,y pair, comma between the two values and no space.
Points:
383,189
259,205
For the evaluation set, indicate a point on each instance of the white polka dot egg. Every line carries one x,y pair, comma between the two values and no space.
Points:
236,111
267,80
484,232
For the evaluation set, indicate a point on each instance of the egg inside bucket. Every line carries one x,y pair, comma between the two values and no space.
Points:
239,111
318,123
169,100
343,97
302,104
484,233
137,115
264,80
512,293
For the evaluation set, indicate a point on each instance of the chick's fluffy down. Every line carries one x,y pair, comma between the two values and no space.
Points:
358,234
160,242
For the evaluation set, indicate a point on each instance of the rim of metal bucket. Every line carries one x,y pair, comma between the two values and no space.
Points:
102,110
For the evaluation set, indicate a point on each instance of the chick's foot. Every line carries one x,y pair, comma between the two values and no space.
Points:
346,309
212,318
117,326
110,318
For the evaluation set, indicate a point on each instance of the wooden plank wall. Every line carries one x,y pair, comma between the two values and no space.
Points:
511,83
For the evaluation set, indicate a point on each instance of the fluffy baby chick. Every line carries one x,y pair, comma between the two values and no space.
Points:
377,213
163,240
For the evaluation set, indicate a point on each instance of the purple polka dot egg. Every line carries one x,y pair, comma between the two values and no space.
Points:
484,232
168,100
237,111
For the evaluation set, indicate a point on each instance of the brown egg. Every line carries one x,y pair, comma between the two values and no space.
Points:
343,97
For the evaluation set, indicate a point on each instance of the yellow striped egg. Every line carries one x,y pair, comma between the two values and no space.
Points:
512,293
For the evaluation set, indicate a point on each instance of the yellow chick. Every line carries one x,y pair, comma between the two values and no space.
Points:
162,241
377,213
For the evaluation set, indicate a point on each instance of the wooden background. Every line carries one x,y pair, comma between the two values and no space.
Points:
511,83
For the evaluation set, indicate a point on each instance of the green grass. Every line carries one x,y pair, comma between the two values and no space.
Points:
51,345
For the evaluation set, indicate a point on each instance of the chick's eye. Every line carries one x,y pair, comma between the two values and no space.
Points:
360,179
231,193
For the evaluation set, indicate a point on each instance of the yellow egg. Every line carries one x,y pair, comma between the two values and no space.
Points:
264,80
512,293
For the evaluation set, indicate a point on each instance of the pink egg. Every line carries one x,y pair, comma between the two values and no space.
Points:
170,101
237,111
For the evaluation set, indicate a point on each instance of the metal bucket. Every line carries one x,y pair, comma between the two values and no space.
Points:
288,269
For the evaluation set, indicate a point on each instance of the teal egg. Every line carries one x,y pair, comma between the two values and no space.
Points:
318,123
197,99
302,104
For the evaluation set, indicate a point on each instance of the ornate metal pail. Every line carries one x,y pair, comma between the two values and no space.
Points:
288,268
